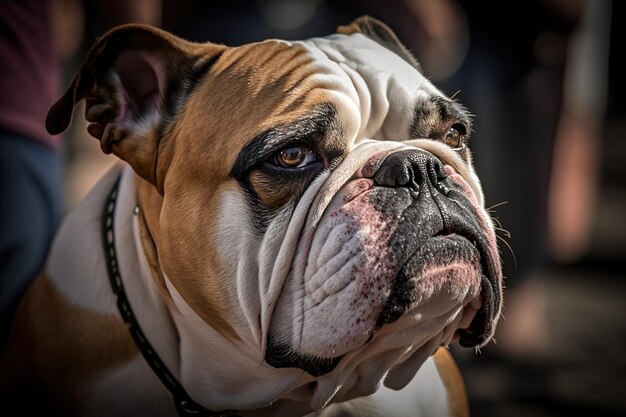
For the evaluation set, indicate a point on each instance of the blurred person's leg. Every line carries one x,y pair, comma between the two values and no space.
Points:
30,184
574,182
30,208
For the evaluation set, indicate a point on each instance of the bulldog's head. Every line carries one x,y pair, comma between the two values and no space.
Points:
310,206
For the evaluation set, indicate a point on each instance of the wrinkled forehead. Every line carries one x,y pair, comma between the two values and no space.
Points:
382,87
369,64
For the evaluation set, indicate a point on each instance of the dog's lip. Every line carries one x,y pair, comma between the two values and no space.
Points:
280,355
481,326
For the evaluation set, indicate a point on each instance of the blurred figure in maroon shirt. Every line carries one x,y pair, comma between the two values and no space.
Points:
30,164
35,35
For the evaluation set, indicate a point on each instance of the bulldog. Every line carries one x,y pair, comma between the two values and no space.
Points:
295,229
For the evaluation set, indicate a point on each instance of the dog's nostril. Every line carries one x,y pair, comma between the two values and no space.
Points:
437,176
410,168
440,173
394,172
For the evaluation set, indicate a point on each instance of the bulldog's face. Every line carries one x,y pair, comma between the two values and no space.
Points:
313,203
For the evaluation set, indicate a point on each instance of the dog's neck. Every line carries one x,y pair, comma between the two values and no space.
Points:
136,265
201,358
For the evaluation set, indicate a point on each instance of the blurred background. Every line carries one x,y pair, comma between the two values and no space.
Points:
545,81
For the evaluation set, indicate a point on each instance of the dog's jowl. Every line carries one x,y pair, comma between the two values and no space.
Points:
295,228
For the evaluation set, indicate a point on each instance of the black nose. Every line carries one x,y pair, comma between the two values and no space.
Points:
413,168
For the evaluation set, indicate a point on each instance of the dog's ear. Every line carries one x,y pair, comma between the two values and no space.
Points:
134,79
381,33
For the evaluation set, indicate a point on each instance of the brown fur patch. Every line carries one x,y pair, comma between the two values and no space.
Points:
453,381
40,367
150,202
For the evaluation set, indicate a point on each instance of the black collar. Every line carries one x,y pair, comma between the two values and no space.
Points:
184,404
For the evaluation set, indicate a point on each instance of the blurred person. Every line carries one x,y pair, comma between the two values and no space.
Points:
35,37
575,174
30,159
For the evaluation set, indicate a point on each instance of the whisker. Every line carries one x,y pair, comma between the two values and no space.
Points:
505,232
497,205
509,247
497,226
496,222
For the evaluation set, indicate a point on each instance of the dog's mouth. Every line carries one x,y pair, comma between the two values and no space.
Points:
393,268
444,259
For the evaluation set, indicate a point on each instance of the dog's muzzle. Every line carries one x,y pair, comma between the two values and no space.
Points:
421,172
403,248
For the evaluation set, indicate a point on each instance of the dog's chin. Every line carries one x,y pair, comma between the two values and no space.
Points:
438,293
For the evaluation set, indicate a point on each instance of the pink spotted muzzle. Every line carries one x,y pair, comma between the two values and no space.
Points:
402,253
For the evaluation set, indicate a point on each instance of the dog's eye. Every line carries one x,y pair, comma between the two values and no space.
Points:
455,137
294,156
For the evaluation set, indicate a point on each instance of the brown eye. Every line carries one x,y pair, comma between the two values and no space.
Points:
295,156
454,138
